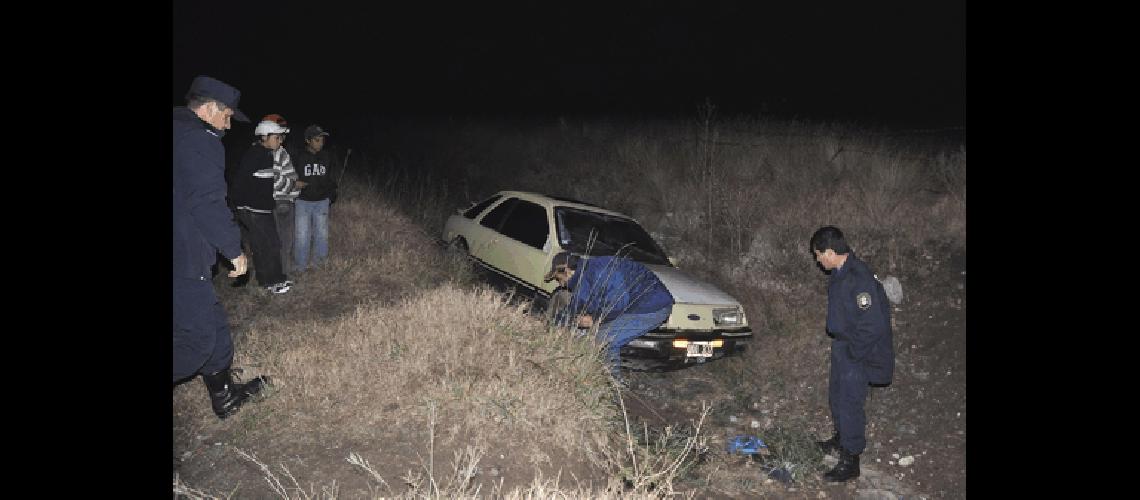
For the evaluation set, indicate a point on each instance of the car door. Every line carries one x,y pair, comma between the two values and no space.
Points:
519,249
485,237
465,224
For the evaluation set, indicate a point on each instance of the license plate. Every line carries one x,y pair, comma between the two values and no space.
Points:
700,350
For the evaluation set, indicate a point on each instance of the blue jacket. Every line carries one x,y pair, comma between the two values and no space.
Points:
859,316
203,224
605,287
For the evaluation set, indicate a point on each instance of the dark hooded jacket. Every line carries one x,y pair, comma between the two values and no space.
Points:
316,170
249,191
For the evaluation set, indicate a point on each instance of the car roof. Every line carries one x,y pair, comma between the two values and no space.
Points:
551,201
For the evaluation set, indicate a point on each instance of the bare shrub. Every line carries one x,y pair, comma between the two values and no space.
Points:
289,490
183,490
950,171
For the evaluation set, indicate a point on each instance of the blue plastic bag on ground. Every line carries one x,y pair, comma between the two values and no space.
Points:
745,445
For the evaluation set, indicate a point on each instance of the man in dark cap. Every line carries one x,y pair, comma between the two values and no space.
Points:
314,168
204,227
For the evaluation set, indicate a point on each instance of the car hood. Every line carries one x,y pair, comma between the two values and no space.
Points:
688,290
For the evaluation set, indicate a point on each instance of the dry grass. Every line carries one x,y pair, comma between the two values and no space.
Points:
767,180
464,352
391,337
896,196
393,334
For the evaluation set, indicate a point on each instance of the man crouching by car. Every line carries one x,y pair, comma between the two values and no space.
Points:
620,296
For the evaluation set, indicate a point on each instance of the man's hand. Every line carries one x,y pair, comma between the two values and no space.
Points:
585,321
239,266
302,184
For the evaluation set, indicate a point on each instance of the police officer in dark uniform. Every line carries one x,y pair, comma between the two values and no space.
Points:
862,349
203,227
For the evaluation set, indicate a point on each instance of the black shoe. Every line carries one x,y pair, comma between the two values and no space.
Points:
831,445
846,469
226,396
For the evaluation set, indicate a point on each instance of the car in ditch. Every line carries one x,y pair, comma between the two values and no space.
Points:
515,234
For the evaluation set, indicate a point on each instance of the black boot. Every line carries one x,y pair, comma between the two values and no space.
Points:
226,396
847,468
831,445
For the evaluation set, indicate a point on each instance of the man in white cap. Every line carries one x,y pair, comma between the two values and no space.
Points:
252,197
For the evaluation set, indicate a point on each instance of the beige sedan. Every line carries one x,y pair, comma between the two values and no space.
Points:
515,234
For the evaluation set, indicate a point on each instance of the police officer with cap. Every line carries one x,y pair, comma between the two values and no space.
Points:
204,227
862,349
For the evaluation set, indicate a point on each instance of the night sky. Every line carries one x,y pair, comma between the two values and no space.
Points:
900,63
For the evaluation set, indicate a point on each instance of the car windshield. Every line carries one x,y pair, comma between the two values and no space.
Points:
601,234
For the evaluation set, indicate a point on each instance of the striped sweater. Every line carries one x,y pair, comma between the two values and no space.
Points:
285,177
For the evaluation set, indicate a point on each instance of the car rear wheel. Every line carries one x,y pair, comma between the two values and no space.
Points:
458,246
461,257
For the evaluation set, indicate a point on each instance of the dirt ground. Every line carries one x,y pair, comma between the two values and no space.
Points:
916,441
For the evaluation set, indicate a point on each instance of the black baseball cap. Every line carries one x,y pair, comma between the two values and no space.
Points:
204,86
314,131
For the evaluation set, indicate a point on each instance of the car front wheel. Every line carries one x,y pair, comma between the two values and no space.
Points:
460,257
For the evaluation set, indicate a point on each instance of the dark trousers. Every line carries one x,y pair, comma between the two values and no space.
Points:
846,395
283,215
260,230
202,342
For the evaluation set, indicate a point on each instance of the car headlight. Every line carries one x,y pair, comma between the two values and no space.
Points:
729,316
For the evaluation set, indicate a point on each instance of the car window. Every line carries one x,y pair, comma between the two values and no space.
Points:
495,217
592,233
527,223
474,211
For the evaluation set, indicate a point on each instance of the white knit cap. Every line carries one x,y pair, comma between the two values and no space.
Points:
267,127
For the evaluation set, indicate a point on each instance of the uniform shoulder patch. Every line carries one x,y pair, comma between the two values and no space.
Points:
863,300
